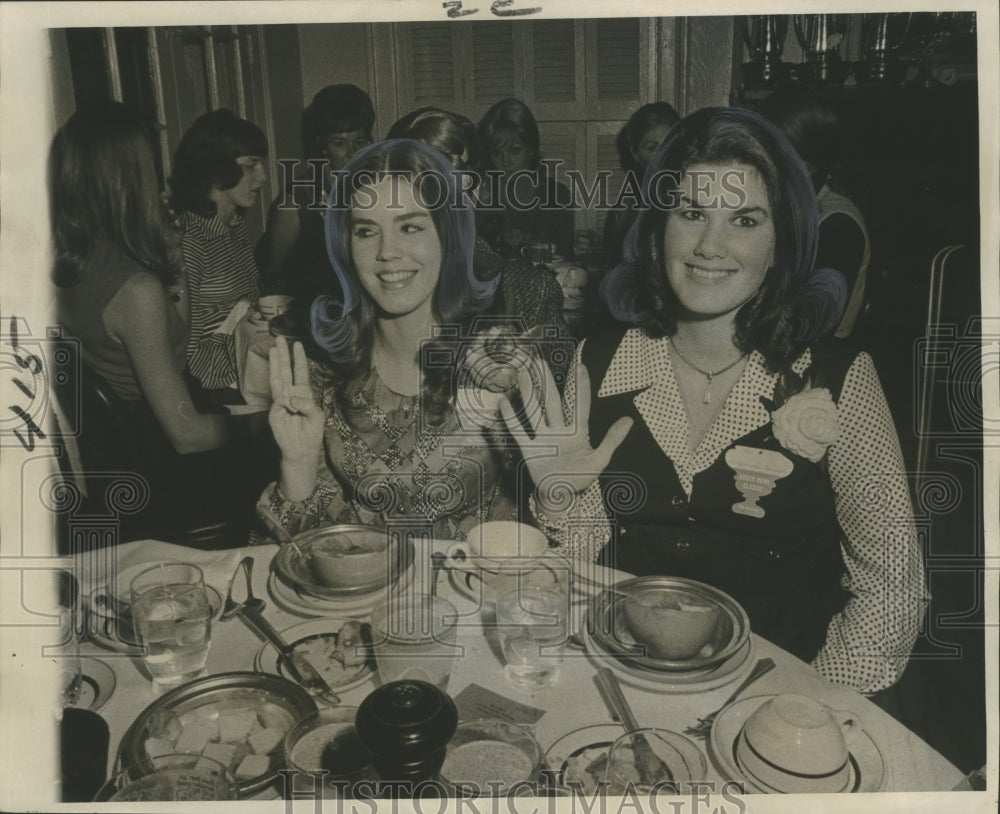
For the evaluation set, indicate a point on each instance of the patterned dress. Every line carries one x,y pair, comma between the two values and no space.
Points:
384,463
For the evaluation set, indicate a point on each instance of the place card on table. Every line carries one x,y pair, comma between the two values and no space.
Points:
475,702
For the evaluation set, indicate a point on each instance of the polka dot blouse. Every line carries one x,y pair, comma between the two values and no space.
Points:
868,643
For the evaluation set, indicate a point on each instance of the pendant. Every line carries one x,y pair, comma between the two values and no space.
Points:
708,391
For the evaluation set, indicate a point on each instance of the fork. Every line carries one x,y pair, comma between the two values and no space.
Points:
704,725
250,610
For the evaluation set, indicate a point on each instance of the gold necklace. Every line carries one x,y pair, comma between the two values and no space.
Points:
708,374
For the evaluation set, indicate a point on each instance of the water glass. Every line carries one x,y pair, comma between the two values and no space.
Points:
67,651
172,618
413,636
663,770
533,625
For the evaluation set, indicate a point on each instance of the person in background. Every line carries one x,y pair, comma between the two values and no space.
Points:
337,123
811,124
218,171
636,143
116,259
737,446
535,298
374,433
536,209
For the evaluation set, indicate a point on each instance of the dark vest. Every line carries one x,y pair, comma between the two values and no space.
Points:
783,568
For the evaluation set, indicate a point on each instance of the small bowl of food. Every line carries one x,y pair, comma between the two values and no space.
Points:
327,742
670,623
492,758
344,557
671,627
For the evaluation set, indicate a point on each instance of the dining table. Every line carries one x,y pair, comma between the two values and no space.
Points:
478,683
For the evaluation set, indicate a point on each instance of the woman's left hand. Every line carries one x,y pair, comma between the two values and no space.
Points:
559,448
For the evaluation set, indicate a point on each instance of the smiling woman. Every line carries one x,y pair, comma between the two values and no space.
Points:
218,173
748,439
371,434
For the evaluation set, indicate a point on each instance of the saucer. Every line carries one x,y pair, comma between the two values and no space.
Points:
864,756
97,683
732,669
610,630
292,565
577,750
302,603
321,632
103,624
853,772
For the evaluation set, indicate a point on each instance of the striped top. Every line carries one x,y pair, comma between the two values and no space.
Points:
221,271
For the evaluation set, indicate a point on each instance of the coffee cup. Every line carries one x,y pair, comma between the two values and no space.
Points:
489,545
794,744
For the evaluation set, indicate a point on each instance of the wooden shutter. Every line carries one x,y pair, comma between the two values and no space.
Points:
620,71
428,77
493,61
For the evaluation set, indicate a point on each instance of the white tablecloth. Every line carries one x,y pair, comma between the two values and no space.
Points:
572,702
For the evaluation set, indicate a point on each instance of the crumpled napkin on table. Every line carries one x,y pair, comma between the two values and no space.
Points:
217,566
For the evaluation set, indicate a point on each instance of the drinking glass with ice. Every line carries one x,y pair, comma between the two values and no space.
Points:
172,618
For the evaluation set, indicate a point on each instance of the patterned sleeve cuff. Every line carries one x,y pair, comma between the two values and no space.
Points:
292,517
583,529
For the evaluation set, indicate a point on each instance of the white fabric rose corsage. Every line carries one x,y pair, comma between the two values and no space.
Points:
806,424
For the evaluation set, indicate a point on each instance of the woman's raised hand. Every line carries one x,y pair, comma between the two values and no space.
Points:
296,420
559,453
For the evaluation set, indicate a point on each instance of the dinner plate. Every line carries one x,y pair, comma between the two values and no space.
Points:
292,565
302,603
734,668
588,744
322,632
610,630
97,683
865,758
112,633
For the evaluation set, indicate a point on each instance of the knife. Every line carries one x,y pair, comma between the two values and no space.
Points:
299,666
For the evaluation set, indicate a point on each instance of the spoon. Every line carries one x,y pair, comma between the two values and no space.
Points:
650,767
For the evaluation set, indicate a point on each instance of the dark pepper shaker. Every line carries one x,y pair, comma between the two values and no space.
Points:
406,725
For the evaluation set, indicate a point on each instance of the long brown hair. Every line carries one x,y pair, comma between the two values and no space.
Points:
103,190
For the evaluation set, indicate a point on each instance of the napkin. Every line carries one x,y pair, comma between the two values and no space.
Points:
234,318
217,566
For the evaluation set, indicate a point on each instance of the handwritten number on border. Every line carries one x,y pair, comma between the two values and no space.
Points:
499,8
34,366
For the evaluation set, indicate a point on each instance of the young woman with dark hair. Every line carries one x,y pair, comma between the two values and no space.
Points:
370,435
636,143
218,171
534,208
336,124
739,448
534,298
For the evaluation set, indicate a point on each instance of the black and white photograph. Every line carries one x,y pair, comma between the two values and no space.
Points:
499,405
